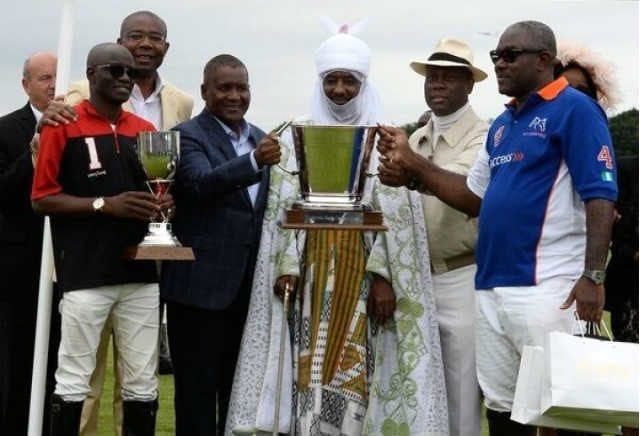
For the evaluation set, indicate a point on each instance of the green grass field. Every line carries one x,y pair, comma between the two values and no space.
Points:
165,420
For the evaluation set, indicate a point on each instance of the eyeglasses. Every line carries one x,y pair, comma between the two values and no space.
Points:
509,55
119,70
155,38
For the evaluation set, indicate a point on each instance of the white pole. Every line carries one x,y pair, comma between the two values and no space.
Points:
64,47
45,289
41,349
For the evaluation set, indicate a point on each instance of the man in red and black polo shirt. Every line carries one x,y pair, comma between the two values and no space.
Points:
89,180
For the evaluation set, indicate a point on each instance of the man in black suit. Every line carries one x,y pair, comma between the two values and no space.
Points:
221,191
21,246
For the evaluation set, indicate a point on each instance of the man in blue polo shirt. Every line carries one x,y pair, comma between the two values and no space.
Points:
544,187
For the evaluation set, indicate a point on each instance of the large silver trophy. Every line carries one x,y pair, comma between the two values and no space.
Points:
158,153
333,163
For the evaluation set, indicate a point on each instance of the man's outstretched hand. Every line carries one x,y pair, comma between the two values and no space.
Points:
395,156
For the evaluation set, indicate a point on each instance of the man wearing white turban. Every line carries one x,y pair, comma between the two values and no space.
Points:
345,52
365,353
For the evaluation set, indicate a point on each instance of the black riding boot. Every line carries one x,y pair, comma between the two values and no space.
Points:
65,417
139,418
500,424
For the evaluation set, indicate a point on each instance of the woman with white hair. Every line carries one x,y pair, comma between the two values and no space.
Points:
365,351
588,72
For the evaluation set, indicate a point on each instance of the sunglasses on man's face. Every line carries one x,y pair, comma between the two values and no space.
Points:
119,70
509,55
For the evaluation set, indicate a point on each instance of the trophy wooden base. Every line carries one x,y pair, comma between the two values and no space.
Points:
159,252
338,219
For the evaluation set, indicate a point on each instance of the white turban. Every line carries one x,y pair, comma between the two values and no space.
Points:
345,52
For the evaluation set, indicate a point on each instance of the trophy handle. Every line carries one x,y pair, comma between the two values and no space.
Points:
278,131
281,128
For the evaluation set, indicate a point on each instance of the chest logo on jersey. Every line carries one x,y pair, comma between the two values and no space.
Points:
502,159
497,137
95,166
537,127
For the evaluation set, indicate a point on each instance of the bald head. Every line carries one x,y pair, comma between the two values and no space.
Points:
35,60
39,78
108,52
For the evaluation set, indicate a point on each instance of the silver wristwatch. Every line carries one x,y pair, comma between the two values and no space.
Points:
595,275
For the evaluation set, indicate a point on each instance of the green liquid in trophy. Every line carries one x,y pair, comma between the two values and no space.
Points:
329,153
157,166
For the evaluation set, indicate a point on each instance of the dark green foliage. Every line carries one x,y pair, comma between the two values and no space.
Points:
624,133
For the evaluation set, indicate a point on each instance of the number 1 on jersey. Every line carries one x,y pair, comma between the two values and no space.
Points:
94,162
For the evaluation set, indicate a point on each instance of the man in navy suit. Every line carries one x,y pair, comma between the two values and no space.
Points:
221,191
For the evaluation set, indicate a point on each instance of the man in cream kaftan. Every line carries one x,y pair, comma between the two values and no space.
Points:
343,373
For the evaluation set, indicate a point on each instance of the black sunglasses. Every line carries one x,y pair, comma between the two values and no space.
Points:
509,55
119,70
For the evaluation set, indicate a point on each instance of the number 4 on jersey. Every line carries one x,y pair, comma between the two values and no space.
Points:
605,156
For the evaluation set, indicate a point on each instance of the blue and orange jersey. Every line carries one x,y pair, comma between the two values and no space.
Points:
544,161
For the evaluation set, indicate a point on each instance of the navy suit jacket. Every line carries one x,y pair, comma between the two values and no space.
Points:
214,216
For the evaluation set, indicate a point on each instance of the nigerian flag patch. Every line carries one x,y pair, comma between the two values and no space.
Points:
607,176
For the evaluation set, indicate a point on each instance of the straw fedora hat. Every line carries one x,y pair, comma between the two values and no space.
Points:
450,52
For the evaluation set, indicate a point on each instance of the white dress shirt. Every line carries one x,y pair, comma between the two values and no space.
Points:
243,144
149,108
36,113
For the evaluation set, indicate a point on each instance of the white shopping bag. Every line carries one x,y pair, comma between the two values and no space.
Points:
590,379
526,402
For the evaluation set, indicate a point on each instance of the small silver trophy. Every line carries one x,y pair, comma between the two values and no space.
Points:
158,153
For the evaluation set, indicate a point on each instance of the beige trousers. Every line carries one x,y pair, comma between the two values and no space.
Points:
454,293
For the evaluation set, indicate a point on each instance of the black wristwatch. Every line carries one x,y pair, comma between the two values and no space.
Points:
595,275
